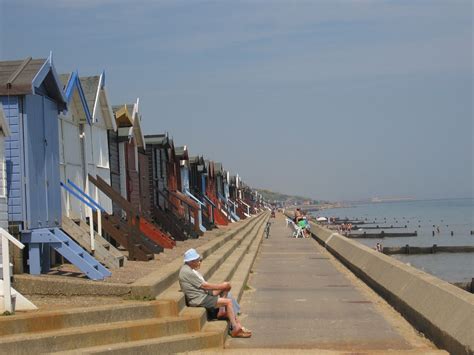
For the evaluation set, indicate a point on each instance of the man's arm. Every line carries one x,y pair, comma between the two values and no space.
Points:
224,286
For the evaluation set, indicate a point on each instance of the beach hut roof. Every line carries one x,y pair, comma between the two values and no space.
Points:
129,122
3,123
123,115
97,98
181,152
157,139
137,125
73,91
24,77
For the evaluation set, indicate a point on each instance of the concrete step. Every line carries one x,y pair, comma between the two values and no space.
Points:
189,321
238,265
210,337
37,322
233,260
164,325
214,261
158,282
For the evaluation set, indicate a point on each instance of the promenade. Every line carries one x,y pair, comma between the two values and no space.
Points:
300,297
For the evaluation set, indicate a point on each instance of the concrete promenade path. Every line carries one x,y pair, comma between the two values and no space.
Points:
301,297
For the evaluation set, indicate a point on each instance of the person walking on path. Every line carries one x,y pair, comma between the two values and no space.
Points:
200,293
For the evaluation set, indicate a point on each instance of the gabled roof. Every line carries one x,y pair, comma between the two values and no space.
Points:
24,77
137,125
129,119
5,129
72,85
97,98
123,115
157,139
181,153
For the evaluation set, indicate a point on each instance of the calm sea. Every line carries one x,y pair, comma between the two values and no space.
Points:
450,215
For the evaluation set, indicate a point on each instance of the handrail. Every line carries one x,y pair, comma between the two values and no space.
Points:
194,198
77,188
209,200
11,238
93,205
7,295
76,195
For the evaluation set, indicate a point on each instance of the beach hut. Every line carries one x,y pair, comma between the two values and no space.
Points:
191,202
171,207
220,218
96,135
157,146
197,182
182,206
76,154
32,97
131,139
72,148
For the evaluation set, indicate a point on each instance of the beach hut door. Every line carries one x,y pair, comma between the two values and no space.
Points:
43,202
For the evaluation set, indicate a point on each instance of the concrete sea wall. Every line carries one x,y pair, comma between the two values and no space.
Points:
443,312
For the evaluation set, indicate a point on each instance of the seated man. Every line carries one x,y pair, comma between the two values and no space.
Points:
200,293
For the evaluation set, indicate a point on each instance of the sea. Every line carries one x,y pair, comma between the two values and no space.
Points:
423,216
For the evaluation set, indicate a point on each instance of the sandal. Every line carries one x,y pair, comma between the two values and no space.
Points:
240,334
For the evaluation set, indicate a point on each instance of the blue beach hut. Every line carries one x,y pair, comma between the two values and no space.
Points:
32,98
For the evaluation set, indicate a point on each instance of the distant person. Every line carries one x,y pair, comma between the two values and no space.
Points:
378,247
200,293
298,215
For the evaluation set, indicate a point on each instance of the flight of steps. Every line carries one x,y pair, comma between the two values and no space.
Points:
106,253
164,325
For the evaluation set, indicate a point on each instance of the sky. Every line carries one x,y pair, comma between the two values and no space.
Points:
335,100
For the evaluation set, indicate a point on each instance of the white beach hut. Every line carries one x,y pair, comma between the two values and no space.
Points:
96,136
72,128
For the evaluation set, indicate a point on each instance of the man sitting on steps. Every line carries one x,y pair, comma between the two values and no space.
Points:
200,293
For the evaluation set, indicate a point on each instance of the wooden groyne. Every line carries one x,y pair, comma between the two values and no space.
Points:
345,221
407,249
381,235
381,227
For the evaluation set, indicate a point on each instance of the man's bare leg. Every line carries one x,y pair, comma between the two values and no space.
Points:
227,303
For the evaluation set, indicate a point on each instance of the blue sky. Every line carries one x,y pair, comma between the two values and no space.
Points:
337,100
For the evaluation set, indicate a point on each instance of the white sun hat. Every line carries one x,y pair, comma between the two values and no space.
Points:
190,255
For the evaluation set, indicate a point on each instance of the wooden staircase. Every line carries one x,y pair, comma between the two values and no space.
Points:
144,231
104,252
41,239
128,237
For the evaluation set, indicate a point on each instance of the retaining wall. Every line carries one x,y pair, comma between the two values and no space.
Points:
443,312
